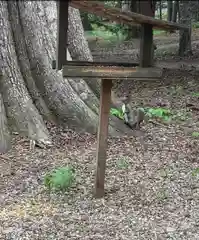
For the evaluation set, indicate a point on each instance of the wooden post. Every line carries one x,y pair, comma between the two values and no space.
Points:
105,102
146,46
62,32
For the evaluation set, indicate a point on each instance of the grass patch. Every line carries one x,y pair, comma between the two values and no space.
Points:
158,32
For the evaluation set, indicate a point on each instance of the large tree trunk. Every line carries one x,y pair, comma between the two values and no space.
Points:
185,35
31,90
21,112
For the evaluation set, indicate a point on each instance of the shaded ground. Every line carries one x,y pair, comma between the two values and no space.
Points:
165,55
151,191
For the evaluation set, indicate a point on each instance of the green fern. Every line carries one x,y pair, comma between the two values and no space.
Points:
60,179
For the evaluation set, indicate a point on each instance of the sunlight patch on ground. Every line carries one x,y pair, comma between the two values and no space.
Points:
29,208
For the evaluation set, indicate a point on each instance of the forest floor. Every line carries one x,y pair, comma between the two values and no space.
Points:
152,192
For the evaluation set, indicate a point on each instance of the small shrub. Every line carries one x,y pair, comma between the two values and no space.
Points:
122,163
195,134
195,172
60,179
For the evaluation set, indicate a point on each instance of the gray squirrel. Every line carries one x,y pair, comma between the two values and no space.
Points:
132,117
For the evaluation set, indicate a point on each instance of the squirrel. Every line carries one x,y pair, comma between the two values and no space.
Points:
132,117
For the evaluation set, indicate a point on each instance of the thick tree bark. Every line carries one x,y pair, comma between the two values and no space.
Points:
185,35
31,90
22,114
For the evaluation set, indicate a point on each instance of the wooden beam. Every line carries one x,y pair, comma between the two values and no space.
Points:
123,17
105,102
146,46
102,64
113,72
62,30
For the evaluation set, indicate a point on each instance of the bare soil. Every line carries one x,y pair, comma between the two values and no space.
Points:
151,192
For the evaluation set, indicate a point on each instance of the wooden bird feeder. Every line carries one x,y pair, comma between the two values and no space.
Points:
143,70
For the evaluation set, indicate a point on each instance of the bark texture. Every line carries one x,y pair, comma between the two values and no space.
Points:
4,131
31,90
185,35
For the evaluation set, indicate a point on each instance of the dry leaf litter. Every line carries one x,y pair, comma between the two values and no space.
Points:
151,193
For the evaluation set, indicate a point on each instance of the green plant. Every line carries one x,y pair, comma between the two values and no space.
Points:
195,25
195,172
195,134
195,94
158,32
122,163
162,195
162,113
117,112
60,179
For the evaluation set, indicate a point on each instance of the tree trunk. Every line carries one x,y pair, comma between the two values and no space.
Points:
175,10
185,35
148,8
22,114
31,90
4,131
160,9
169,10
85,21
194,10
131,5
135,31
